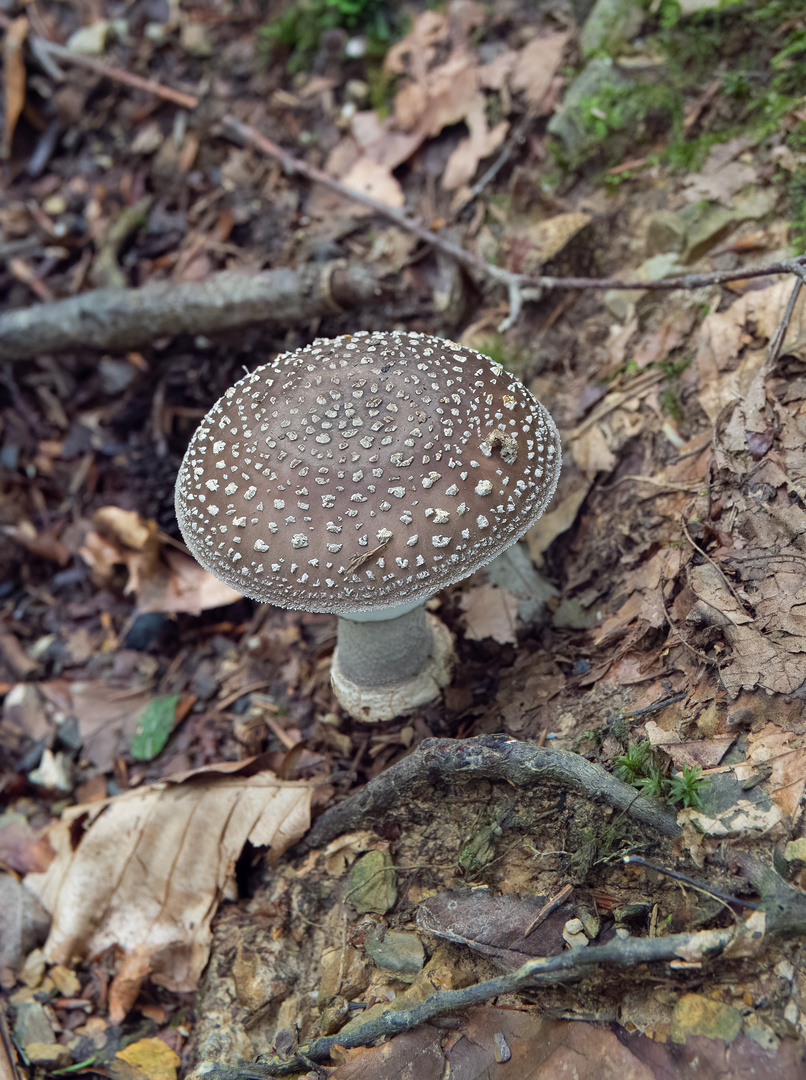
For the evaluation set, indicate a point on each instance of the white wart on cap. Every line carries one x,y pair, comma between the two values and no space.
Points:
365,472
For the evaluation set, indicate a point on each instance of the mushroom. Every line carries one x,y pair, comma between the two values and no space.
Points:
359,476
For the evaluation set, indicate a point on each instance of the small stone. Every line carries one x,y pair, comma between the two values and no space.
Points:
49,1055
33,969
32,1025
574,933
66,981
784,969
356,90
356,48
90,40
55,205
395,951
501,1050
372,883
611,24
95,1031
148,139
334,1016
666,232
695,1014
53,772
796,849
195,39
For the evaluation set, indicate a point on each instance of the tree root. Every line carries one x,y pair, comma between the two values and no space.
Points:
487,757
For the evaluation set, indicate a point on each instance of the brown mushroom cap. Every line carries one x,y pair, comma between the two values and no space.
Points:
365,472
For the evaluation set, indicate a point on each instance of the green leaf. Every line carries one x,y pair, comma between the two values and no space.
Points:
154,727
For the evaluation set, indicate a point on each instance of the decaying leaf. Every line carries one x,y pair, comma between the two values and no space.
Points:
146,870
490,612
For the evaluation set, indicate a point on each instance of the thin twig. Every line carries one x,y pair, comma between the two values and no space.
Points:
548,907
700,655
89,63
542,971
776,344
725,898
244,134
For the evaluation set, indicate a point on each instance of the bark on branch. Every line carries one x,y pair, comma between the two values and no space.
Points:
119,319
487,757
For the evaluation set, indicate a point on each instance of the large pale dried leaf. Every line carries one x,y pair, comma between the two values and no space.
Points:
151,866
758,661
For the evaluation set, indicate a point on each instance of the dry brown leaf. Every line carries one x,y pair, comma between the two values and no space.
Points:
536,66
490,612
786,753
415,51
533,242
556,521
107,716
591,452
376,181
721,176
149,867
162,578
14,79
185,586
723,335
463,162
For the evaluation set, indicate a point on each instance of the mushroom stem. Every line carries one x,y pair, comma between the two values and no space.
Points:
384,668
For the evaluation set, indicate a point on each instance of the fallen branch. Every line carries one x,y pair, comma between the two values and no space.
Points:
486,757
543,971
520,286
118,319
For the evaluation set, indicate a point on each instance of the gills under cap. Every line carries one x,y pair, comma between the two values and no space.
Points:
363,472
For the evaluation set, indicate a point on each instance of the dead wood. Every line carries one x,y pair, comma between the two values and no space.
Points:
487,757
118,319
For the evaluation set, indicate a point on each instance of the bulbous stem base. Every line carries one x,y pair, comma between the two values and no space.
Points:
385,669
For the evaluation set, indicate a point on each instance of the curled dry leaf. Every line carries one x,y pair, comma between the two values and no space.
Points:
145,871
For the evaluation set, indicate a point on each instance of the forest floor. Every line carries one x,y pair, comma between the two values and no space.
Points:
160,735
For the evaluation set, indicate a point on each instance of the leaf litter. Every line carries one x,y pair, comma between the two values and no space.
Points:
674,546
